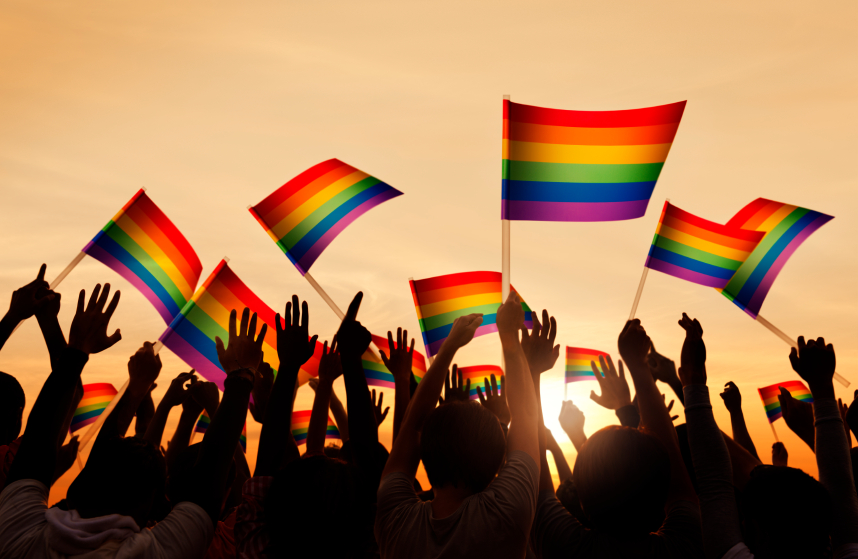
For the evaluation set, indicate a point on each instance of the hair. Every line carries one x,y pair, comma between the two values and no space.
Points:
462,442
12,403
786,513
622,476
315,493
124,475
180,480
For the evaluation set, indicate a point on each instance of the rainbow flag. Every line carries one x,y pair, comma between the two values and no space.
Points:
191,335
203,423
478,374
96,397
439,301
583,165
578,363
378,375
784,228
301,424
304,215
769,395
698,250
242,440
145,248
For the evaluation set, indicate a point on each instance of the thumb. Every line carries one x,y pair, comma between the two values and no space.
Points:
595,397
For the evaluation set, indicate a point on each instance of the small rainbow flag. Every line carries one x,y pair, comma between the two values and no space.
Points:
698,250
578,363
304,215
191,335
96,397
769,395
378,375
203,423
439,301
242,440
478,374
301,424
583,165
784,227
145,248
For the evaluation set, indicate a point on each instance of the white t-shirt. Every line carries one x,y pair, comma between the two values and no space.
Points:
741,551
185,533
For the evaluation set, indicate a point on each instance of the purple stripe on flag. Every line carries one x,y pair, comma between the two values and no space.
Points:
381,383
189,354
481,331
572,211
684,273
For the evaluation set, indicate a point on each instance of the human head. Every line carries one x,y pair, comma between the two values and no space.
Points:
180,479
777,504
462,442
12,402
124,475
622,475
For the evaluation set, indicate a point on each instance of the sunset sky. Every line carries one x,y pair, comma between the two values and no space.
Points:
212,106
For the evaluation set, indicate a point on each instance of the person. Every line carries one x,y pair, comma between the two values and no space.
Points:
476,511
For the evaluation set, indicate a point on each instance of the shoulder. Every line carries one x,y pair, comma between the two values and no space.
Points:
22,517
186,532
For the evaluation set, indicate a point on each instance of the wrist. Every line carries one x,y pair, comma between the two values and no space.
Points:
822,390
509,337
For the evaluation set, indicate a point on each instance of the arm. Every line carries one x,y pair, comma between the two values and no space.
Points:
564,472
405,454
399,364
26,301
798,416
780,456
329,370
176,395
182,436
663,370
733,401
47,317
261,392
815,362
341,417
852,415
572,421
145,413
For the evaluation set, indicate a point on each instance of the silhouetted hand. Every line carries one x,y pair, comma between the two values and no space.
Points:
495,399
143,369
177,392
261,393
400,359
244,347
145,412
330,365
463,330
66,456
456,391
815,363
798,416
49,305
732,397
380,416
352,338
633,343
294,345
661,368
692,368
780,456
538,345
670,407
614,387
207,395
571,418
31,298
852,415
88,332
510,316
193,404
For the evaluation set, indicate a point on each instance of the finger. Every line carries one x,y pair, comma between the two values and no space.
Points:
501,385
373,396
537,326
610,363
398,338
793,358
93,297
674,417
384,359
447,384
287,314
390,340
41,275
552,336
801,344
251,329
670,406
494,385
102,299
411,354
333,344
261,338
277,325
546,321
111,308
596,398
622,371
305,315
245,319
384,414
325,348
232,319
114,338
315,339
468,388
354,307
460,380
219,347
380,399
596,371
480,395
80,299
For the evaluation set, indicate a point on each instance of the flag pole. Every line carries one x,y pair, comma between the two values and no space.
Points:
58,279
775,433
641,286
505,249
324,295
782,335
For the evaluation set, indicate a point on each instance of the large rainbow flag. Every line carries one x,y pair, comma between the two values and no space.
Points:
769,395
578,363
477,374
698,250
379,375
145,248
439,301
784,228
583,165
304,215
301,425
192,334
96,397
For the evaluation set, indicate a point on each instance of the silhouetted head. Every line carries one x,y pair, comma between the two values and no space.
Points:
124,475
12,402
308,497
622,475
786,513
181,476
462,443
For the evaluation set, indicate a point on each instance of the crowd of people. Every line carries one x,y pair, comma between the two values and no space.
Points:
645,488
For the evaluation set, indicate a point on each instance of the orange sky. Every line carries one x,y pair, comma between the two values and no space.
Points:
212,106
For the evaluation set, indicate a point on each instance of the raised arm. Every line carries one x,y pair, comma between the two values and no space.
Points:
815,362
191,410
26,302
405,455
330,369
176,395
564,472
663,370
572,421
399,364
341,417
733,401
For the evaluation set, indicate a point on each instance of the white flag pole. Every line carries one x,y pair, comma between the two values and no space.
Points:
505,249
782,335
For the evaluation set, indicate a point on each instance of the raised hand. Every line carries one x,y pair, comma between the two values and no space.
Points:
31,298
400,359
538,344
633,343
207,395
815,363
177,392
88,332
798,416
456,391
143,369
732,397
352,338
330,365
495,398
145,412
670,407
852,415
193,405
571,419
380,416
244,348
780,456
294,345
692,368
661,368
614,387
261,393
510,316
464,329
